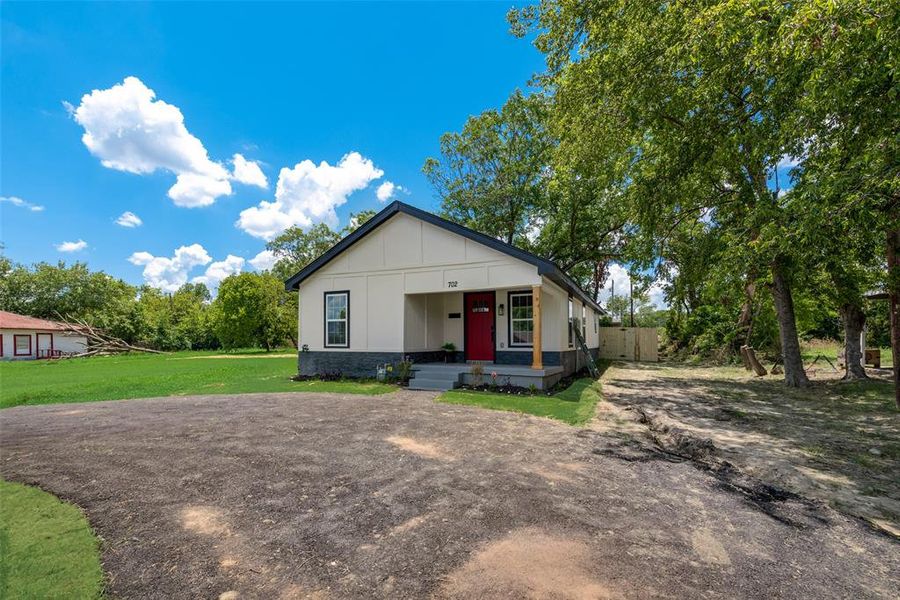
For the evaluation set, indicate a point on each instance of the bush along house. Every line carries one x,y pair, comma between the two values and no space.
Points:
409,284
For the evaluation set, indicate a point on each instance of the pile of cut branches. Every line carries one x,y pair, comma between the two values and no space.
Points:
99,343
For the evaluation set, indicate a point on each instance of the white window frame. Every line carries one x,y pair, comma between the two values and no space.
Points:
512,319
345,320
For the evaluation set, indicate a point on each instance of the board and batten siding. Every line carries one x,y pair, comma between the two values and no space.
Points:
408,263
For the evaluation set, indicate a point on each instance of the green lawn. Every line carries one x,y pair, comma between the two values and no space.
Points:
149,375
47,547
830,349
574,405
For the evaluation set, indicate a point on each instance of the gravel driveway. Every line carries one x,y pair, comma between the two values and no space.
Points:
331,496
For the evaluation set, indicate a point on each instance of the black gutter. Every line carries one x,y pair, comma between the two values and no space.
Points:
544,266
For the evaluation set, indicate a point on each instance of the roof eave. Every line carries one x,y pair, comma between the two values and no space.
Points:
544,266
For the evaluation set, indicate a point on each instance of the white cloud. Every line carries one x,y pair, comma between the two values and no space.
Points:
16,201
248,172
129,130
219,270
618,277
387,190
169,274
264,261
617,281
72,246
129,219
534,230
657,296
308,194
788,162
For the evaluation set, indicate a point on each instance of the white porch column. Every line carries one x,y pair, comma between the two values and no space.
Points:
537,361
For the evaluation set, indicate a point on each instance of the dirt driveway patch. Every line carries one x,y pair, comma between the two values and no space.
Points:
836,442
396,496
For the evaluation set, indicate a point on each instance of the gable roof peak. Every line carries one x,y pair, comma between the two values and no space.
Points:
544,266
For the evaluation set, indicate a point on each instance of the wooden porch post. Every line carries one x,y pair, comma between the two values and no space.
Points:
537,361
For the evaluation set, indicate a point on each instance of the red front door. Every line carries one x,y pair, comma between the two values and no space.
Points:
480,326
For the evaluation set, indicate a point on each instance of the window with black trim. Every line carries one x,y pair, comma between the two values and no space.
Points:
521,319
583,322
571,316
337,319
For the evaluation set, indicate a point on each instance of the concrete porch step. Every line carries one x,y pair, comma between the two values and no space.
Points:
443,384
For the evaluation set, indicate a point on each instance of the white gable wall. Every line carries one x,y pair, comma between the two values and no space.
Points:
407,276
407,262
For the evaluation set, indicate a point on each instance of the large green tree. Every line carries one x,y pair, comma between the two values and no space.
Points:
491,176
252,309
694,116
845,127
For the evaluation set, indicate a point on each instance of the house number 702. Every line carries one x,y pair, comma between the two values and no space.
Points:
452,284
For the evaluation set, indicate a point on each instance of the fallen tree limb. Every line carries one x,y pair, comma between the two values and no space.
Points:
750,356
98,341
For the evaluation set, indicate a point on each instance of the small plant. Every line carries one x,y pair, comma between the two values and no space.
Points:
494,381
404,368
532,389
477,375
449,349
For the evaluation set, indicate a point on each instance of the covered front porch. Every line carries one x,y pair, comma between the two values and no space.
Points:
505,326
446,376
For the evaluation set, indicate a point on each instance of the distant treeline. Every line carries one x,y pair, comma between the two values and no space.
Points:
250,309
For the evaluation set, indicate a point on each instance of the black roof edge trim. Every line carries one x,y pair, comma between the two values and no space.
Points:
544,266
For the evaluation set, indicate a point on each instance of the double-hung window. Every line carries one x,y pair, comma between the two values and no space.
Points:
571,317
337,319
521,319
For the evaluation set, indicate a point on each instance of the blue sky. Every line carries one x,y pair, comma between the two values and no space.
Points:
169,93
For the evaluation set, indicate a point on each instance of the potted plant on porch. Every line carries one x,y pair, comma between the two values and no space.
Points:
449,352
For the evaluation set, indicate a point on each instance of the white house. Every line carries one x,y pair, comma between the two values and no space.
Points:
407,282
27,338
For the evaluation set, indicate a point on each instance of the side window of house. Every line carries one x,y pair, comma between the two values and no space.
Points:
571,316
337,319
521,319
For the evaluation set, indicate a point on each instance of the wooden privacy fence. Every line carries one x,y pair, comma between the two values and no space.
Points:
629,343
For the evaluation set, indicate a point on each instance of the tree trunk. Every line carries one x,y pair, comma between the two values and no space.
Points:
893,260
745,320
854,320
794,375
749,356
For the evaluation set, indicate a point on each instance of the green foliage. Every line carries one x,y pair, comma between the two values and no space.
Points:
685,111
47,291
48,548
403,371
253,310
490,175
296,248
